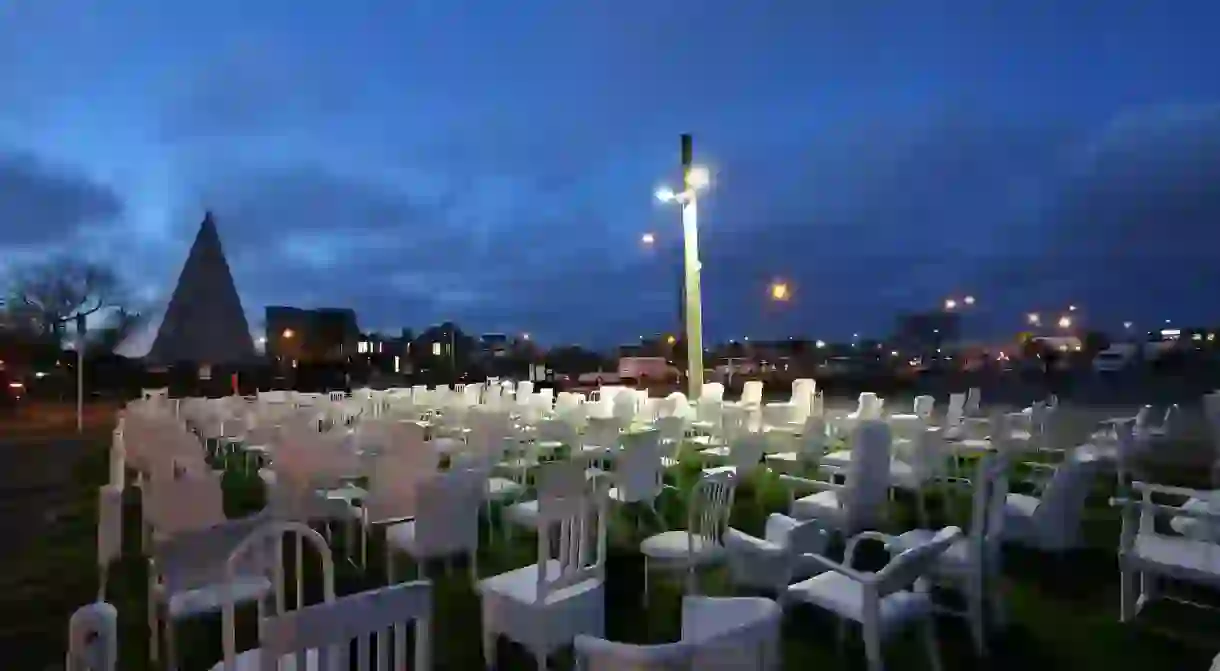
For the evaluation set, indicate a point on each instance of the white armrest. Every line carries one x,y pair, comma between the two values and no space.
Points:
849,553
1151,488
830,564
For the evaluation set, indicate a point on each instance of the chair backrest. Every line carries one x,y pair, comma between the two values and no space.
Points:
109,532
905,568
368,618
190,503
710,506
989,492
447,512
1058,515
637,469
93,638
803,390
746,452
711,391
603,432
974,402
868,406
565,512
734,422
925,452
752,392
954,413
625,407
868,474
262,553
924,405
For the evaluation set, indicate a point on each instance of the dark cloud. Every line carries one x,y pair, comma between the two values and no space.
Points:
41,203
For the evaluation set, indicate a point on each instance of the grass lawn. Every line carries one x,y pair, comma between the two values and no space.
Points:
1063,611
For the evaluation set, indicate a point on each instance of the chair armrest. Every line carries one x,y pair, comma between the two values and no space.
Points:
1152,488
849,553
832,565
737,540
807,483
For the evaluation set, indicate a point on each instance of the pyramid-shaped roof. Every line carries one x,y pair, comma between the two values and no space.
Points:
204,322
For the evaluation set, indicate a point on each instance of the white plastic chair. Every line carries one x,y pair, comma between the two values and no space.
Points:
638,472
859,503
718,634
93,638
547,604
1051,522
446,523
884,602
774,561
924,405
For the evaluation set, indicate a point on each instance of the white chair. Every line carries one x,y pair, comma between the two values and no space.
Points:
109,533
718,634
883,603
1145,556
745,454
918,463
638,472
371,619
446,522
1051,522
545,605
671,432
775,560
924,405
556,480
810,446
700,544
971,565
93,638
858,503
752,393
974,402
262,553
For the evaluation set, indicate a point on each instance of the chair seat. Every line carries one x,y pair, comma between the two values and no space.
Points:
524,513
821,506
844,597
675,546
521,585
971,445
212,598
502,488
839,459
548,446
251,660
1182,558
446,445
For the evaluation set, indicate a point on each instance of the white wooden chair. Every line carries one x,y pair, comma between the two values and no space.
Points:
810,446
718,634
446,522
700,544
1145,555
884,602
375,620
638,472
261,552
93,638
547,604
1051,522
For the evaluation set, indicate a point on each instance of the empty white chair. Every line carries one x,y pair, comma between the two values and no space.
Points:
883,603
775,560
974,402
924,405
638,472
446,522
700,544
93,638
371,619
545,605
1051,522
859,503
752,392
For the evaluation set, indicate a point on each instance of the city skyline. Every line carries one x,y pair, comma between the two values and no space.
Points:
495,168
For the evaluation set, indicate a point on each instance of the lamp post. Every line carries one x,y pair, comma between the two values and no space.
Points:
694,178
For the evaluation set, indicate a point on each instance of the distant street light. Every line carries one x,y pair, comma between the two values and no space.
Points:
780,291
820,344
1128,325
525,336
950,304
968,300
669,339
1071,308
694,179
288,333
1065,322
1034,319
648,239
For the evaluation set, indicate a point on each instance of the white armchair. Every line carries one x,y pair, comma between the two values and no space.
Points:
1051,522
884,602
775,560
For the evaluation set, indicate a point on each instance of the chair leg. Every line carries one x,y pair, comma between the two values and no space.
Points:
171,645
929,641
975,614
1128,596
645,581
872,649
154,626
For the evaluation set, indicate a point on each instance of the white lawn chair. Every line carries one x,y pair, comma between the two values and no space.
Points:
772,562
700,544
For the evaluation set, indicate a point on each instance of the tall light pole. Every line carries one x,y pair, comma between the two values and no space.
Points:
693,179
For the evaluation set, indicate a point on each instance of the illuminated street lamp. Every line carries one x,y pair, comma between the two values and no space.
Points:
1034,319
820,344
950,304
1065,322
1071,308
669,339
780,291
1128,325
288,334
525,336
968,300
648,239
694,178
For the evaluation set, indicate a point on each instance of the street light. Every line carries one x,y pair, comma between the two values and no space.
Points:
694,178
1034,319
820,344
288,333
950,304
780,291
648,239
1128,325
968,300
1065,322
1071,308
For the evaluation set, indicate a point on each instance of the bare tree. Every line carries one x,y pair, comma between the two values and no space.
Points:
47,295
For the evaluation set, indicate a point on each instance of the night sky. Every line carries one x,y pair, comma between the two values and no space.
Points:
493,163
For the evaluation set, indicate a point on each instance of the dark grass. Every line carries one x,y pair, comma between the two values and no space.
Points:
1062,610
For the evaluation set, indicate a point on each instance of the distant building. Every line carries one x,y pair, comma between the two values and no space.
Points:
312,335
926,331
